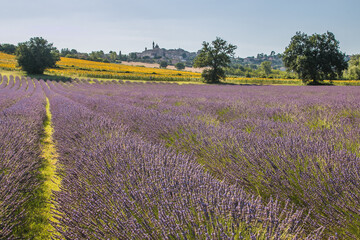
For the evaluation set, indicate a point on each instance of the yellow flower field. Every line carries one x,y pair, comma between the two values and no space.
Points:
8,62
70,67
83,68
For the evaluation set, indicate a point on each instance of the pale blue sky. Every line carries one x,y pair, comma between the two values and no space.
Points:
255,26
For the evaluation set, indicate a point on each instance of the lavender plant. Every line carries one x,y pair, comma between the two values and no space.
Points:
145,191
295,143
21,119
168,161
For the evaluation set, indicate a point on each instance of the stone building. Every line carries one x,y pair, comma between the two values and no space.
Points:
173,55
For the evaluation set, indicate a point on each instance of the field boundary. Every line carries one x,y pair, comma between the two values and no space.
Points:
39,221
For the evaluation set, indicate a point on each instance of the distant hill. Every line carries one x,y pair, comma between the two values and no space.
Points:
173,56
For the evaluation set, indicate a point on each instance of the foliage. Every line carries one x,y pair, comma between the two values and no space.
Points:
316,57
353,71
98,56
113,56
70,67
252,71
7,48
266,67
216,56
180,66
255,62
213,75
133,56
163,64
67,52
35,55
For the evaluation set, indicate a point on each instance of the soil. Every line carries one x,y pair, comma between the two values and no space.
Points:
156,65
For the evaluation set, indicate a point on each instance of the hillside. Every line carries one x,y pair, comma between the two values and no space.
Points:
71,67
76,68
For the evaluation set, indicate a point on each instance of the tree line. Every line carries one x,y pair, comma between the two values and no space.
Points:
263,70
311,58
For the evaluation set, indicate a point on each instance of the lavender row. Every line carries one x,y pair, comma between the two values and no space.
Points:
115,185
297,143
20,154
13,92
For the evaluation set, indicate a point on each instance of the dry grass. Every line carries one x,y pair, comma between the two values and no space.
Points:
156,65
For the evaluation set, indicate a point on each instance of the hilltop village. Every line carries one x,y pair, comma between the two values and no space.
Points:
157,54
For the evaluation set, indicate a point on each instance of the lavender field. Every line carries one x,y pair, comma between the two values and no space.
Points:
168,161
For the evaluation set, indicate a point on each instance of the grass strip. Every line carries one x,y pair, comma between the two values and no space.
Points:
38,224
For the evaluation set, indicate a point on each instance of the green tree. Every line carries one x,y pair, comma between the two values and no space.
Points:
64,52
97,56
180,66
7,48
163,64
216,56
316,57
133,56
353,71
266,67
113,56
35,55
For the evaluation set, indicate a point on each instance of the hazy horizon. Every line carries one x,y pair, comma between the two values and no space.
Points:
129,26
